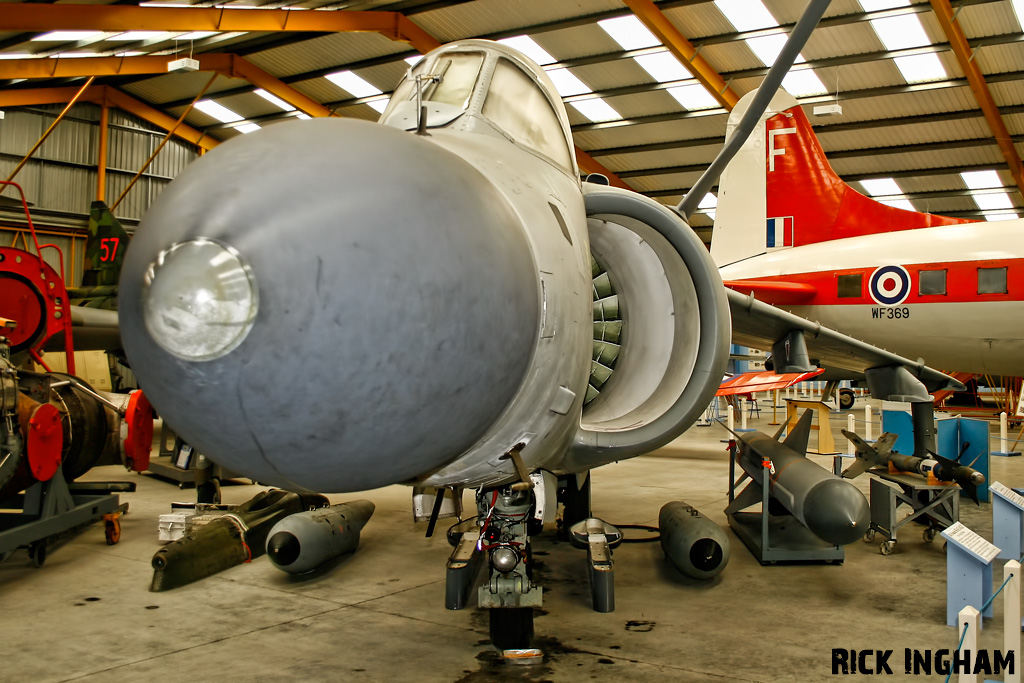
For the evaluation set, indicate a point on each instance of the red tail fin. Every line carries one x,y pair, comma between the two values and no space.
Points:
819,206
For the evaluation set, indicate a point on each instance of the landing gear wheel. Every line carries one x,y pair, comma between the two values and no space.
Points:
869,536
846,399
929,535
37,553
511,627
886,547
208,492
112,530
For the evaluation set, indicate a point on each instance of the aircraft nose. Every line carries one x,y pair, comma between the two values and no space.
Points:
330,305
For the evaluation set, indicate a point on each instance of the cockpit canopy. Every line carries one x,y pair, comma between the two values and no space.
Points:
485,87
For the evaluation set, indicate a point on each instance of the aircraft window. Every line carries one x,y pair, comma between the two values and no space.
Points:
850,286
518,106
458,72
991,280
931,282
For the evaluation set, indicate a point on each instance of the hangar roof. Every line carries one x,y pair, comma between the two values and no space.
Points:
928,92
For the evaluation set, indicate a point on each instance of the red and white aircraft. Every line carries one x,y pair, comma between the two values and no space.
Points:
790,232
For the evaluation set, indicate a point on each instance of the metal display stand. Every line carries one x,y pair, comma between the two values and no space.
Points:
773,538
52,509
937,505
1007,521
969,560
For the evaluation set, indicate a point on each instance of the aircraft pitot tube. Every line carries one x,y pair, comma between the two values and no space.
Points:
335,305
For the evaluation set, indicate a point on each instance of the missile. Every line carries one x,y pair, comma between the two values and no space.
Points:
302,542
694,544
943,469
231,539
833,509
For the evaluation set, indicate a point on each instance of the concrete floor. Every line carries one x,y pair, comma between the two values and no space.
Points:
379,615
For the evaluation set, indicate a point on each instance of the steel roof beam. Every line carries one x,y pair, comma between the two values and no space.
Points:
965,58
40,18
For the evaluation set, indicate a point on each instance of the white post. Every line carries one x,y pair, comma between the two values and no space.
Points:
1002,433
743,418
851,426
1011,619
968,616
867,422
730,420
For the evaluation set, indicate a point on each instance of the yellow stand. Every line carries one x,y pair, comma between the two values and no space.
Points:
826,442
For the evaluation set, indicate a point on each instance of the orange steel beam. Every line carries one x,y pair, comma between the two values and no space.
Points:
588,164
683,49
45,18
28,98
964,56
229,65
115,98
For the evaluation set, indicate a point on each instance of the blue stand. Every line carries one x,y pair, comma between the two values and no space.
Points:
1007,522
898,422
969,560
953,433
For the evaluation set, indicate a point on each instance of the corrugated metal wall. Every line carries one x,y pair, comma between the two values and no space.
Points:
61,177
72,246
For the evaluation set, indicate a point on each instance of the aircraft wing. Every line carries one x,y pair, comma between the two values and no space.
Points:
760,325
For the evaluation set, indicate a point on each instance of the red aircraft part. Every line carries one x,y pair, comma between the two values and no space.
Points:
138,417
777,292
750,382
33,295
44,442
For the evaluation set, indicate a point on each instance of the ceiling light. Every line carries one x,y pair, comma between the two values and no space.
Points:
66,36
529,47
247,127
899,204
876,5
917,68
566,83
881,187
1000,216
378,105
274,99
1018,9
900,32
746,15
981,180
353,84
218,111
73,55
16,55
629,32
995,200
196,35
694,97
803,83
303,117
596,110
142,35
663,67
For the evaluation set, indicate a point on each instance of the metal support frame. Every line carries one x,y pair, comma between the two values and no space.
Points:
938,504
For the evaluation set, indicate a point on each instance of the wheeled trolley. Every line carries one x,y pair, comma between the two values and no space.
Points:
935,506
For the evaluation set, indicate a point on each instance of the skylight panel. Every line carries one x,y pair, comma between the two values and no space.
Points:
66,36
877,5
990,217
981,180
803,83
767,48
899,204
130,53
353,84
663,67
694,97
412,61
378,105
247,127
1018,9
746,15
142,35
596,110
566,83
196,35
218,111
529,47
992,201
629,32
708,205
917,68
900,32
73,55
304,117
16,55
274,99
880,187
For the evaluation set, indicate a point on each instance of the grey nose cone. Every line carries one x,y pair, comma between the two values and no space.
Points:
837,512
398,305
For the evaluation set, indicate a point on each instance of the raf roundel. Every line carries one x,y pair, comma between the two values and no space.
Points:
890,285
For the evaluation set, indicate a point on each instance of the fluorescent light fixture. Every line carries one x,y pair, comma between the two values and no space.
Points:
917,68
378,105
990,217
629,32
1018,10
881,187
694,97
413,61
529,47
66,36
899,204
876,5
356,86
708,205
143,35
596,110
303,117
73,55
981,180
767,48
218,111
663,67
995,200
130,53
746,15
247,127
566,83
900,32
802,83
196,35
16,55
274,99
